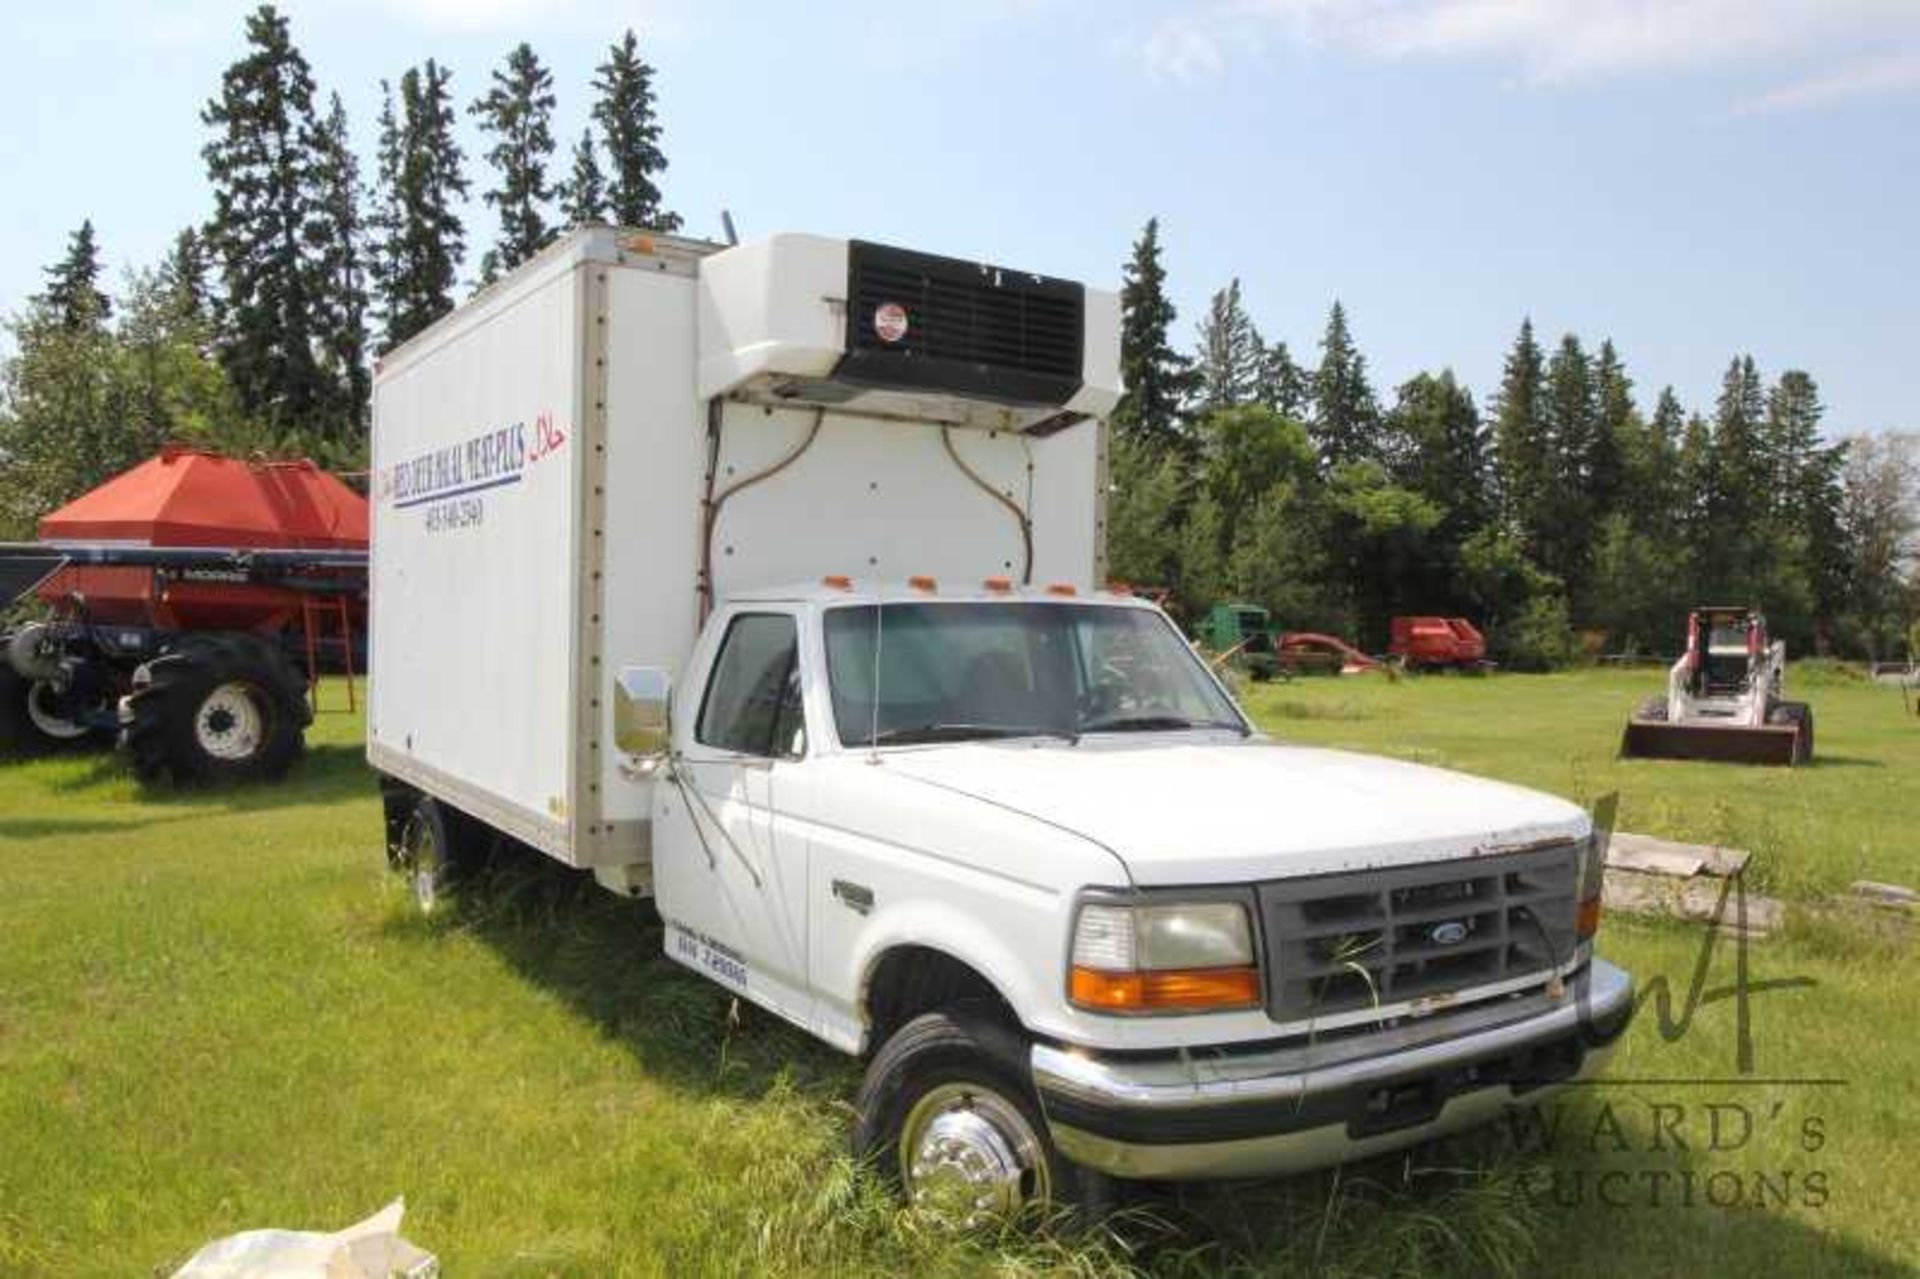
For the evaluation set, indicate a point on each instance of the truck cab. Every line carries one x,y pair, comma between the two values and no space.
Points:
1021,849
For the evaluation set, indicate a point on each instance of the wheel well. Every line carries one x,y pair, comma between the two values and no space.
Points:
910,980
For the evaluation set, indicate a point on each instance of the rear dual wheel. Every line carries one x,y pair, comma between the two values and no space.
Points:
433,846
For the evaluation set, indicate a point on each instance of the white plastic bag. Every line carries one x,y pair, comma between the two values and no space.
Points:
371,1249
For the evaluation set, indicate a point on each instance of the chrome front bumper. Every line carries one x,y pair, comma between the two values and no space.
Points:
1260,1112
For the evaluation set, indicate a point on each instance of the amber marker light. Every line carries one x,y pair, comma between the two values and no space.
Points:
1191,990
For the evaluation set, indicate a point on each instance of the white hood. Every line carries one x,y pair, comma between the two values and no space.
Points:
1187,810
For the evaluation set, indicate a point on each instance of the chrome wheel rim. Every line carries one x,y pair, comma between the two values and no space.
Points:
968,1154
425,866
230,725
48,721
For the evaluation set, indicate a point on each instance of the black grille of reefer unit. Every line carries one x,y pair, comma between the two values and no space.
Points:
985,332
1336,943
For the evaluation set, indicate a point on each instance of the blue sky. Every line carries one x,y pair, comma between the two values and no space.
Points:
1690,177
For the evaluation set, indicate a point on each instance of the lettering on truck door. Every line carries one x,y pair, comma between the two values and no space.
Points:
733,888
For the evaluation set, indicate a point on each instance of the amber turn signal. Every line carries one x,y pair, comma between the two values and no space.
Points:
1586,919
1171,990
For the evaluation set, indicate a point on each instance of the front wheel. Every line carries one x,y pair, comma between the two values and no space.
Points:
947,1114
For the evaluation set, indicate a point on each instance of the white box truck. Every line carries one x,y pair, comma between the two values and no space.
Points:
768,581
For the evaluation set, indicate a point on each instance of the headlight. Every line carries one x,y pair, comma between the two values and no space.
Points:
1178,957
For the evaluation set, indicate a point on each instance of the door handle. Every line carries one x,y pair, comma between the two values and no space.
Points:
856,897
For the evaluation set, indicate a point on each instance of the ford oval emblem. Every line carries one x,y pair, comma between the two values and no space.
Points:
1448,932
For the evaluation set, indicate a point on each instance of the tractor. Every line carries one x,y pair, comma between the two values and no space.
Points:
185,608
1723,698
1242,634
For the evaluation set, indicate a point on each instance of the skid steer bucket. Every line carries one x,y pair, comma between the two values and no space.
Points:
1728,743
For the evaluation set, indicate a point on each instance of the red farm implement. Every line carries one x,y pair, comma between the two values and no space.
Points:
1432,643
187,606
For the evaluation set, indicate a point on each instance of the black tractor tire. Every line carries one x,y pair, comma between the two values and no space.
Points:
216,708
21,737
1800,716
1652,708
967,1059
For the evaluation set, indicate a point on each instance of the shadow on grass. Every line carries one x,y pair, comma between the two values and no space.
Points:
1843,761
603,955
54,827
325,774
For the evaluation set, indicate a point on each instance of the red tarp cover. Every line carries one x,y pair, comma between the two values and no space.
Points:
185,497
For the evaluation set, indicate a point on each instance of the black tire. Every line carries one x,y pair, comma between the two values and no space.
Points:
1800,716
966,1060
22,737
1652,708
18,737
216,708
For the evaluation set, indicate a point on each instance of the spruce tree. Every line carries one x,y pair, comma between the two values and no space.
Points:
1230,358
183,277
1520,440
1440,452
1563,524
262,165
1743,469
517,112
1616,430
583,197
422,240
1651,496
1157,377
1346,418
1792,437
1284,387
341,291
73,293
625,112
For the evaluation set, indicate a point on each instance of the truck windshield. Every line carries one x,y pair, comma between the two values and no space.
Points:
966,670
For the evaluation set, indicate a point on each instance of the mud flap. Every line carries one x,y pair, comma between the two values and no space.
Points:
1726,743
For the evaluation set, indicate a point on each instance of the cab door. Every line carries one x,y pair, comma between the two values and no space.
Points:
730,869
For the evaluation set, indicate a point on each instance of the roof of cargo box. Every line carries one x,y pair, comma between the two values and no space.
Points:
834,589
188,497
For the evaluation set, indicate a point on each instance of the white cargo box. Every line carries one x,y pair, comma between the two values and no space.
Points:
547,460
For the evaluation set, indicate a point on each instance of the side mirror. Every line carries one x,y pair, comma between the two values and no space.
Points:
640,723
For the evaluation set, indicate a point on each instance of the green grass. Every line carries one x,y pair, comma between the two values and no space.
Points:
217,1013
1851,815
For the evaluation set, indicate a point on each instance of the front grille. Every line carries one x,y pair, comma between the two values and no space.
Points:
1336,943
974,330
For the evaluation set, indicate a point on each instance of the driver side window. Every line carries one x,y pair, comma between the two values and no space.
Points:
753,702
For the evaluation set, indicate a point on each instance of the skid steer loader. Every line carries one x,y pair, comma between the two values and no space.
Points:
1723,698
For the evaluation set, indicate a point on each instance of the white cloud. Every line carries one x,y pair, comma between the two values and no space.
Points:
1552,42
1892,73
